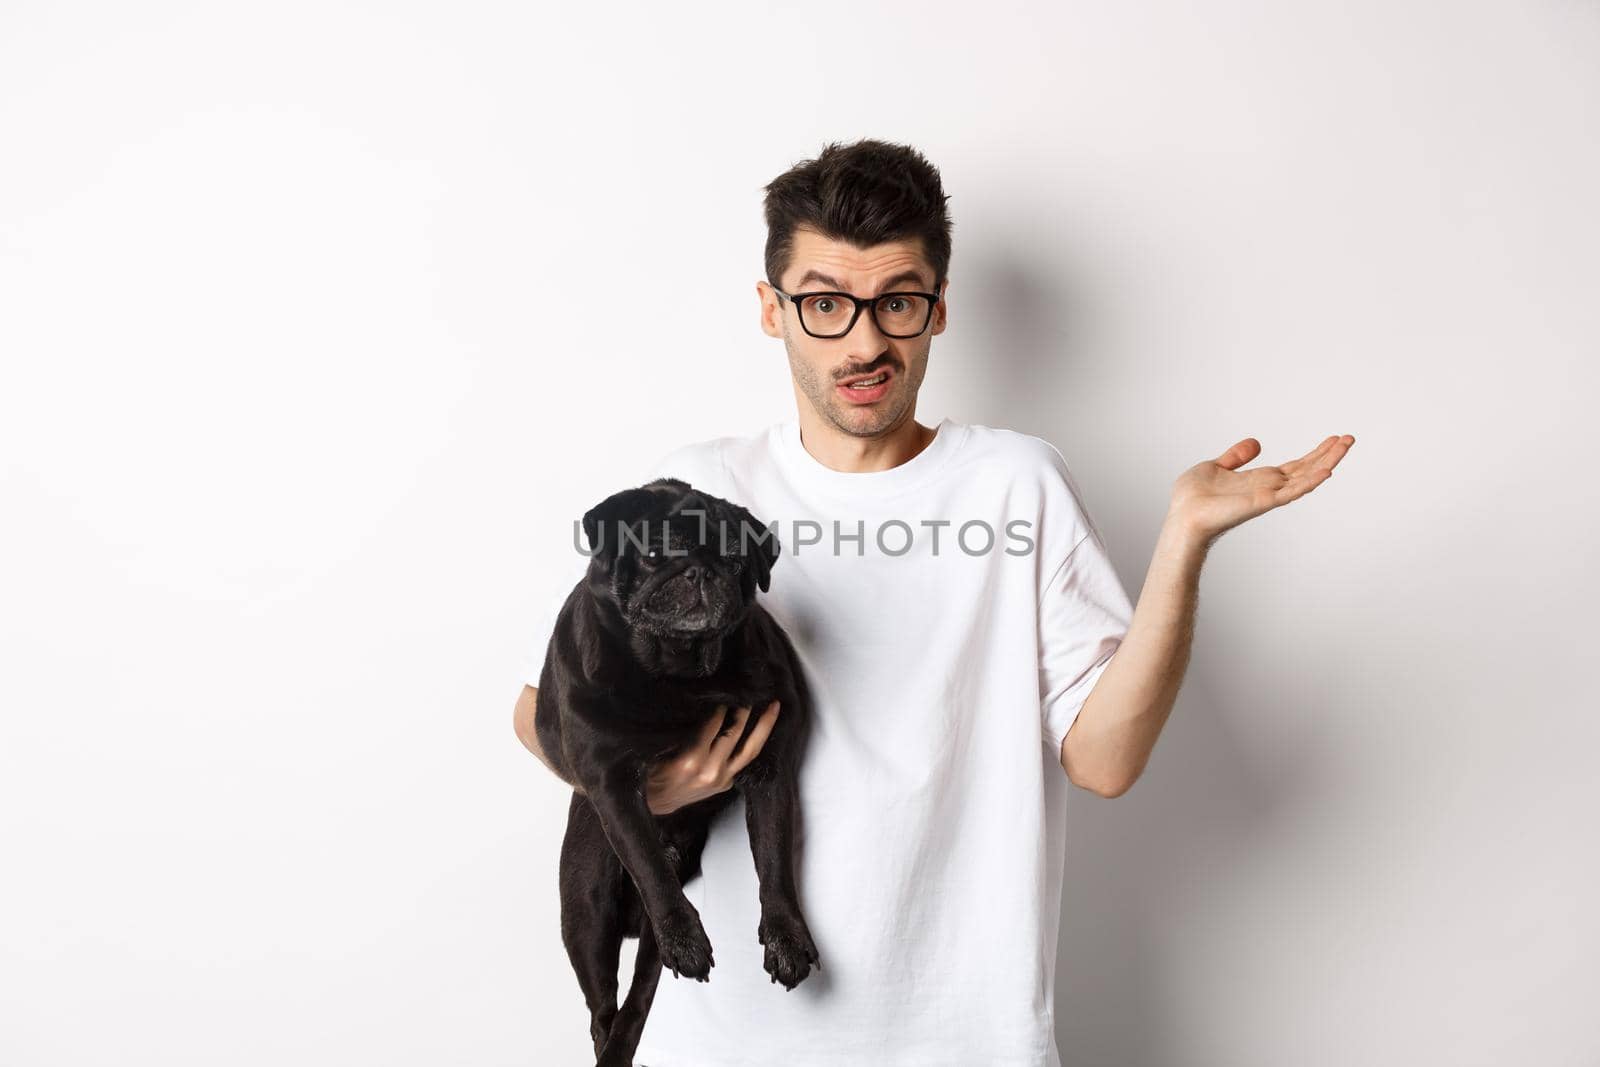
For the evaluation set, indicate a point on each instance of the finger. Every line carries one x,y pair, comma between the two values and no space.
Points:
1310,458
1308,478
723,745
1324,455
1336,452
713,726
758,737
1241,453
1299,487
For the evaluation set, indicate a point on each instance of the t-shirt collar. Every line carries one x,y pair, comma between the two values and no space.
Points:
917,471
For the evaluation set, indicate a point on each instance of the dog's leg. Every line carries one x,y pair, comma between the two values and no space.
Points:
629,1024
771,809
592,924
636,839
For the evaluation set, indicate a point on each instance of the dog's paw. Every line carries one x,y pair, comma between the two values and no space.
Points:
790,952
685,949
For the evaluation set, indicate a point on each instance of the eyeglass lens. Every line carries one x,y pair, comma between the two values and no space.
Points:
899,314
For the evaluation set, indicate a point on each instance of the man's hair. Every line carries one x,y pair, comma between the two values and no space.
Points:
864,193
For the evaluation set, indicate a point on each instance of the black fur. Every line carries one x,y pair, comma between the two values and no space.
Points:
631,676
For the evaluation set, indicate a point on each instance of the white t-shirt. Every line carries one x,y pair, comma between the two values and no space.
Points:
932,799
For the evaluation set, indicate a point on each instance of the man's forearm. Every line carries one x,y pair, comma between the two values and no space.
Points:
1111,740
523,721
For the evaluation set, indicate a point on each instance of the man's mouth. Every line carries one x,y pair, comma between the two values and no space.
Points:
862,383
865,388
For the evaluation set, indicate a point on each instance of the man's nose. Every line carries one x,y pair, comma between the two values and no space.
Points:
865,342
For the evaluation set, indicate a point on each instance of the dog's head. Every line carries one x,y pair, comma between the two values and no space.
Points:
676,562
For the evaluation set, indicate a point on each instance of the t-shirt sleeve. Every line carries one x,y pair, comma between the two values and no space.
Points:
1083,617
678,463
1084,612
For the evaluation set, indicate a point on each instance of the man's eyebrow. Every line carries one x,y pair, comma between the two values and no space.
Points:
889,284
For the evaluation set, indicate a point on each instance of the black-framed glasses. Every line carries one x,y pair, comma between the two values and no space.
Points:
826,315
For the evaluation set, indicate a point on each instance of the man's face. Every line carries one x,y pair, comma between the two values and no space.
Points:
820,365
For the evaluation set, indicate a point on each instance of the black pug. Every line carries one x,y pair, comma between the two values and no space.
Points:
663,629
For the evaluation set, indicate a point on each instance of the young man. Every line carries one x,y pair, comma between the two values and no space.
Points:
969,650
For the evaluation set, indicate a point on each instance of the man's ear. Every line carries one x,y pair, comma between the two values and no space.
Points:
622,509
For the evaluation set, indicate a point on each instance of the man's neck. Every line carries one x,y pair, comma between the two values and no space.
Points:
840,451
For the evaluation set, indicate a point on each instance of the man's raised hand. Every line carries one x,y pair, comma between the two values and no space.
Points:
1212,497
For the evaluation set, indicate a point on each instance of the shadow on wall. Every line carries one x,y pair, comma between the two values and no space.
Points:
1143,868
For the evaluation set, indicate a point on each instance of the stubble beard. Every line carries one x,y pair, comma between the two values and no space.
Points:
857,422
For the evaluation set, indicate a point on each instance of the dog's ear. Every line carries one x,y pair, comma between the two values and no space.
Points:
757,542
623,509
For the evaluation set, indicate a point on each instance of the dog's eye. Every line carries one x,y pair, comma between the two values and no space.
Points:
738,564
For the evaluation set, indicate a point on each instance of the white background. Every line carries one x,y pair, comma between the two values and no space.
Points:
321,321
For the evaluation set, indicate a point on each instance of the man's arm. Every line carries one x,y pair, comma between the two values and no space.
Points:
1110,741
703,769
522,718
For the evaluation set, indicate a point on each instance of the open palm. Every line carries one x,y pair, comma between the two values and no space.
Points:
1215,496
